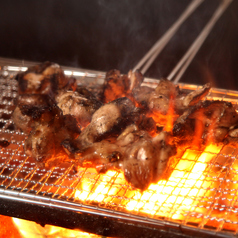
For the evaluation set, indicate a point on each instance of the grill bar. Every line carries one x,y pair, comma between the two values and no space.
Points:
49,203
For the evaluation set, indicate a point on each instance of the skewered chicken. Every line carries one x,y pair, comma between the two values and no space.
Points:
108,120
46,78
126,130
117,85
44,141
142,158
32,109
81,104
212,118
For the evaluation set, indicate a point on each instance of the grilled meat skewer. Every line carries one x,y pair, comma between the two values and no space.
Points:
125,129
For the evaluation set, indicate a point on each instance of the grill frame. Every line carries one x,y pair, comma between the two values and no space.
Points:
106,222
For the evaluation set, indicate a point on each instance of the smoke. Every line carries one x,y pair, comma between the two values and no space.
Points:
103,34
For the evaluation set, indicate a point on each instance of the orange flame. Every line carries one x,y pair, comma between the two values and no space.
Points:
31,229
185,194
168,198
170,116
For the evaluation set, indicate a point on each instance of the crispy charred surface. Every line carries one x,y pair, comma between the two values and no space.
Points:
212,118
46,78
31,110
126,126
44,141
78,105
142,158
145,158
195,96
39,115
142,95
117,85
160,100
108,120
102,155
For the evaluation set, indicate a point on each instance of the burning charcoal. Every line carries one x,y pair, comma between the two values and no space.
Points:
46,78
78,105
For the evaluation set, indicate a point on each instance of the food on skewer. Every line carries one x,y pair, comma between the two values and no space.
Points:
46,78
126,126
213,119
79,105
142,158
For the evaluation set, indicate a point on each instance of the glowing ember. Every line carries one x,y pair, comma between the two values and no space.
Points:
178,195
34,230
7,228
175,198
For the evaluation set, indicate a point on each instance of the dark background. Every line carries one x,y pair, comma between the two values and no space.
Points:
106,34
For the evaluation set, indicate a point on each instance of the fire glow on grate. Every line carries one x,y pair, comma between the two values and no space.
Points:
201,190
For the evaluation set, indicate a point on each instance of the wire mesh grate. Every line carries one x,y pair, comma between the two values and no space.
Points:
200,192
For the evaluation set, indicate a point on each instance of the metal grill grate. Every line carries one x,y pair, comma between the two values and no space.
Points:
201,191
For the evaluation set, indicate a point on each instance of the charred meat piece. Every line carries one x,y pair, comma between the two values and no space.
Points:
135,79
44,141
117,85
167,98
166,102
142,95
102,156
96,90
46,78
212,119
145,158
160,100
21,121
196,96
114,86
108,120
33,109
78,105
142,158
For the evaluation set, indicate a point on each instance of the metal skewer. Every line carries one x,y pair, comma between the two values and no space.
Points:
182,65
162,42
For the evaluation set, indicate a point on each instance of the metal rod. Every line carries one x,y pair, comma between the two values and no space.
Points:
161,43
182,65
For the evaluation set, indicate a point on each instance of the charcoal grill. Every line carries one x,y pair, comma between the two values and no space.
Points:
200,199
